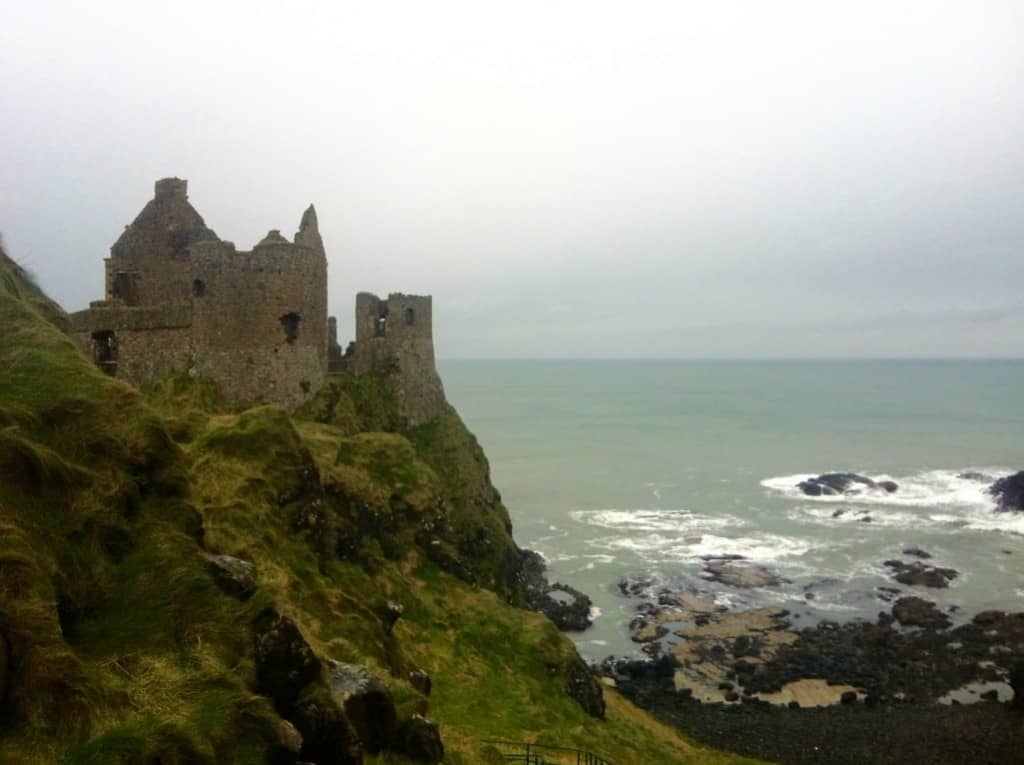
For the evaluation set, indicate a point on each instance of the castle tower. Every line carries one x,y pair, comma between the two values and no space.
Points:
395,336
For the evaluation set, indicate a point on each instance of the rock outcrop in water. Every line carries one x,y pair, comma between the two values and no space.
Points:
919,574
566,606
1009,493
830,484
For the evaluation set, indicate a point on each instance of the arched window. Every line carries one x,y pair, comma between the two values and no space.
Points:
410,316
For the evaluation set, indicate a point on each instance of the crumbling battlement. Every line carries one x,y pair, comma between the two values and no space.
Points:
396,336
179,299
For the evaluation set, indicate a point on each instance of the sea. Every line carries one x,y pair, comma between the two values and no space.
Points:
617,470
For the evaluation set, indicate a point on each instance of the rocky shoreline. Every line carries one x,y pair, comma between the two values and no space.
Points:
920,683
909,686
858,692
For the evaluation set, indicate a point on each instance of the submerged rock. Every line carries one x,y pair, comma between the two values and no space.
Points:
918,612
918,574
1009,493
974,475
917,552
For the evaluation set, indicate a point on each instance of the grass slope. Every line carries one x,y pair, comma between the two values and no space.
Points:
116,644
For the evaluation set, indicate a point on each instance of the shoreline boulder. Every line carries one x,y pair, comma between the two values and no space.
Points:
1009,493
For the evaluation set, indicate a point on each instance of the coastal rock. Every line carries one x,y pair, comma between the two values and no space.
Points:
918,612
829,484
917,552
974,475
566,606
742,576
366,702
285,663
1009,493
1016,679
420,739
233,575
918,574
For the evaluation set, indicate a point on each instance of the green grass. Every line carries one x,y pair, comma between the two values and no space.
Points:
125,650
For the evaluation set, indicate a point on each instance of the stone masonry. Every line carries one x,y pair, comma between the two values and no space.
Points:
396,336
179,299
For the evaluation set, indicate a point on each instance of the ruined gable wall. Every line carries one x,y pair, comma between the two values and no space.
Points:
150,341
239,338
403,346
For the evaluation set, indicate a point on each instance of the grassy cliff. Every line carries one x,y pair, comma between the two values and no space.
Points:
119,643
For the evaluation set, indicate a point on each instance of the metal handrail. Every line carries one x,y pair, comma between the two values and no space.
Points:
531,756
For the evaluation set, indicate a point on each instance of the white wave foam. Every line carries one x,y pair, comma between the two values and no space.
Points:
655,547
931,488
641,519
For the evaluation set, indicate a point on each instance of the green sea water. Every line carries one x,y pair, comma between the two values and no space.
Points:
613,469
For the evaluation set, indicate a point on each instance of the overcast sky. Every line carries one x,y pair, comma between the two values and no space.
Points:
652,179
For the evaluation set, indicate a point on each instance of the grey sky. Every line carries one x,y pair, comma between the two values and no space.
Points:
566,178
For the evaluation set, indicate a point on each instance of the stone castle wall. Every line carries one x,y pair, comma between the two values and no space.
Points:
396,336
181,300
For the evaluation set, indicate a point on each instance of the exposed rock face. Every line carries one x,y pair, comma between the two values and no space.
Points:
421,681
328,735
829,484
1009,493
289,744
289,672
1016,679
583,685
233,575
285,663
390,614
566,606
366,701
5,667
918,612
420,739
918,574
741,575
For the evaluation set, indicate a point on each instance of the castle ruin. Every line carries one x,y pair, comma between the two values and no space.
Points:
179,299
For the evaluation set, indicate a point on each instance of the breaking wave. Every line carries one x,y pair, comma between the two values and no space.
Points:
939,500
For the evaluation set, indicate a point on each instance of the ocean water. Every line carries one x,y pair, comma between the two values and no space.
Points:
620,468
